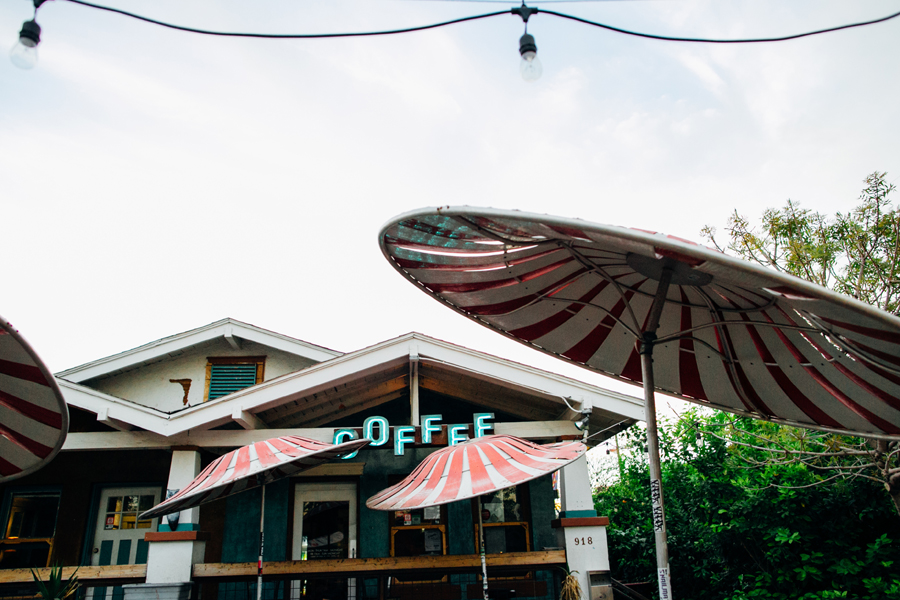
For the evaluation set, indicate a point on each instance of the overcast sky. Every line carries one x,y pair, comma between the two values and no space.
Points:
154,181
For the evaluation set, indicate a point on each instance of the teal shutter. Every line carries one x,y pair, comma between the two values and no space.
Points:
225,379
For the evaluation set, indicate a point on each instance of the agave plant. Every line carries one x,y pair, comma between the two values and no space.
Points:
55,588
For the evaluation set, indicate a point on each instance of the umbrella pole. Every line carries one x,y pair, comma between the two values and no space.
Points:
484,579
262,516
656,491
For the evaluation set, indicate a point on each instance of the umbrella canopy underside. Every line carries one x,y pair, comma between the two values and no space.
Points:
251,466
34,419
473,468
732,335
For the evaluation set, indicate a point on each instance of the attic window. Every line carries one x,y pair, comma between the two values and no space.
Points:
226,375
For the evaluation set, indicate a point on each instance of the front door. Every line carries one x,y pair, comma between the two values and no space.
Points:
119,535
324,528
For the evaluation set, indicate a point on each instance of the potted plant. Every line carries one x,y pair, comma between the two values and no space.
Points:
55,588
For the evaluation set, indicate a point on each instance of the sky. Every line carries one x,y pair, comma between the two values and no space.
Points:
153,181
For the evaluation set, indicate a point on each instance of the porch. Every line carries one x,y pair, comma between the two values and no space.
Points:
534,575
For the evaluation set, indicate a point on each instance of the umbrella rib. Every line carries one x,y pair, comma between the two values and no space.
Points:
593,267
585,262
546,296
588,304
498,237
730,361
681,334
848,345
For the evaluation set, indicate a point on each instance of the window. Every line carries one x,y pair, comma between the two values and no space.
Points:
505,514
29,530
421,532
226,375
122,512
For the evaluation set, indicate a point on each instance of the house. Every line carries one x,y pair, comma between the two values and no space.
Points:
148,420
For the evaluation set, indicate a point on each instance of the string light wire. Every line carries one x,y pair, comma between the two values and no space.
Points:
515,11
715,41
287,35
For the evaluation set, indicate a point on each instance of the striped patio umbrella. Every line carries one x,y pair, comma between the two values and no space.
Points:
253,466
726,333
34,419
473,468
250,467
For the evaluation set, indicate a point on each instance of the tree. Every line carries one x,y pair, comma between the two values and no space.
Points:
855,253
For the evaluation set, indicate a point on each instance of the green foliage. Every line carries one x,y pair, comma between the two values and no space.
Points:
856,253
737,532
55,588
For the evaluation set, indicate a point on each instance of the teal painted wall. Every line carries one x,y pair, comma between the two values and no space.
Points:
542,512
373,524
461,528
240,538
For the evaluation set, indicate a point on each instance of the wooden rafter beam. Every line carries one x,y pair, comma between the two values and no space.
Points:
275,414
477,392
247,420
352,410
314,410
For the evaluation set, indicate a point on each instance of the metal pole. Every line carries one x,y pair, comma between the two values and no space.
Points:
656,490
484,579
262,535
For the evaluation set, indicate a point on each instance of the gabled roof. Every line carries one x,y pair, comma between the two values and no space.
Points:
364,378
231,329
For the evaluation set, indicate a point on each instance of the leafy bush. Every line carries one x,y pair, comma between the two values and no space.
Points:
739,532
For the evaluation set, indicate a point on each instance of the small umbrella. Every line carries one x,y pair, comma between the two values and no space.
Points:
726,333
34,419
472,468
254,466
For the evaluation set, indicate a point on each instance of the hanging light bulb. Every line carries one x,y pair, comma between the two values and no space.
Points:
24,54
530,66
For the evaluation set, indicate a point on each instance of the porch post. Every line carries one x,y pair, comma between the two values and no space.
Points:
579,530
173,553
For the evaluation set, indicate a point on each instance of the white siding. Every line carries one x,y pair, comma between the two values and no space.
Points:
149,385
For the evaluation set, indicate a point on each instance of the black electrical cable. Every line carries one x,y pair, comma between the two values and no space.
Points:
476,17
714,41
287,35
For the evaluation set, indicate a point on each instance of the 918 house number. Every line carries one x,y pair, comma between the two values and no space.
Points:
581,541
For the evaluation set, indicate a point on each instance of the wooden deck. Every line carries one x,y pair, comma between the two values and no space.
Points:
113,574
392,566
119,574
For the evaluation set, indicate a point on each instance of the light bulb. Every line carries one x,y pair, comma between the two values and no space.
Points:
530,65
24,53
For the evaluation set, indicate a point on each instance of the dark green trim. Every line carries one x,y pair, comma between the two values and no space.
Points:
105,558
577,514
164,527
124,552
140,555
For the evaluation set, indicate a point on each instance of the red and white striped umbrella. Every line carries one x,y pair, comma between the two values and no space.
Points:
34,419
731,334
475,467
251,466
